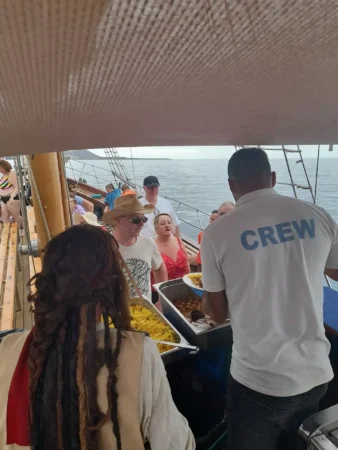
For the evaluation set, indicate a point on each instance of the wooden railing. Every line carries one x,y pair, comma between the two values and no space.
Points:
9,299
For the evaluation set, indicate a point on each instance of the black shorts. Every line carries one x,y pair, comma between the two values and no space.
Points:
7,198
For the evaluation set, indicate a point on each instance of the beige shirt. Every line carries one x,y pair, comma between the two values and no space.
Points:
159,421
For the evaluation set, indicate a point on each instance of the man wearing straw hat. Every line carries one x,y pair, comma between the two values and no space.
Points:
139,252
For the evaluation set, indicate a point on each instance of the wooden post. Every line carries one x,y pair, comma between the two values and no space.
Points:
64,191
45,184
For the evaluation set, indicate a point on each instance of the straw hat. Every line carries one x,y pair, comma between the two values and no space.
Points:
126,204
88,217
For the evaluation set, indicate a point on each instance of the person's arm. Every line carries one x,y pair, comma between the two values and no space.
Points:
332,273
215,303
198,260
160,274
331,269
192,259
87,205
13,179
187,256
161,423
157,264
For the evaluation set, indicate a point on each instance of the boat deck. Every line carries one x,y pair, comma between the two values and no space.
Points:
14,275
24,317
15,272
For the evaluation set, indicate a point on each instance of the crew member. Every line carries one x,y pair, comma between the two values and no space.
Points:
263,263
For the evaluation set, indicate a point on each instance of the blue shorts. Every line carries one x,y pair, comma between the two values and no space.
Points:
78,200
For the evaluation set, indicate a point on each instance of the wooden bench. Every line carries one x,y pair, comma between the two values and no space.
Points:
9,299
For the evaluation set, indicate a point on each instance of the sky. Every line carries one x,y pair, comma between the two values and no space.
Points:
213,152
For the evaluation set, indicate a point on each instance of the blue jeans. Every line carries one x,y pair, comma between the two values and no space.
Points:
262,422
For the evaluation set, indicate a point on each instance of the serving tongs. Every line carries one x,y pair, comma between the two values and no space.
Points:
174,344
196,315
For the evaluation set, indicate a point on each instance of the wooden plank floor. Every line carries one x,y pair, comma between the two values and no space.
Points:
10,301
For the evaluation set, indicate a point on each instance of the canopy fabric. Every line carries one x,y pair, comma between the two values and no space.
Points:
115,73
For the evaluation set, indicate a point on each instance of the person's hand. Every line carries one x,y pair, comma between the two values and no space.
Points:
10,201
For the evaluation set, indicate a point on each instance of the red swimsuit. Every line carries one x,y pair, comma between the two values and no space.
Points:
178,268
175,269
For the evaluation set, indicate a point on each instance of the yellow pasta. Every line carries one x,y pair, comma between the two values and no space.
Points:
142,319
145,320
196,278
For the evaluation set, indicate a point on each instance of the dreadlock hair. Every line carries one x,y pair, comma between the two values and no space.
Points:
81,276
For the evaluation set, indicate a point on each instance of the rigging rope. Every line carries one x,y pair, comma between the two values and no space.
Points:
317,170
132,164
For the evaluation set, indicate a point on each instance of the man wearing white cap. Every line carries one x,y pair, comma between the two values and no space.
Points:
139,252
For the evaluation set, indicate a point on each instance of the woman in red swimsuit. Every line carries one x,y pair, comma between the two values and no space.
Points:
172,249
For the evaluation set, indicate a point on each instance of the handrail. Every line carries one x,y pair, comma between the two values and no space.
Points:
178,203
138,186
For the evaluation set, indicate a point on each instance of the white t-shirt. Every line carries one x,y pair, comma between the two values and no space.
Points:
162,206
141,258
269,255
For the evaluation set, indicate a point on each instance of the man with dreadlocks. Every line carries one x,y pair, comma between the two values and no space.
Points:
73,383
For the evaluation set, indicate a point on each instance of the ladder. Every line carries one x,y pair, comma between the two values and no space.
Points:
117,168
292,183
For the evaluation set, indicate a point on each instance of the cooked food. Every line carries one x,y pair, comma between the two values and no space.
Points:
145,320
196,278
142,319
186,305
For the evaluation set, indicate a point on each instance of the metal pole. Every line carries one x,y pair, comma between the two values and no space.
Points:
17,162
78,180
307,178
317,168
67,187
289,170
328,282
199,219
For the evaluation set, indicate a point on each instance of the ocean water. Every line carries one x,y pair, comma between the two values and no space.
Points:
203,184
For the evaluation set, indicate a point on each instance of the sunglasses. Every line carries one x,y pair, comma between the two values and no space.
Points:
137,220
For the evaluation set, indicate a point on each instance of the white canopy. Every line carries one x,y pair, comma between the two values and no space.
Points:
102,73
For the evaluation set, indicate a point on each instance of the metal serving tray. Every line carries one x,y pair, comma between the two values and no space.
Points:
216,337
176,353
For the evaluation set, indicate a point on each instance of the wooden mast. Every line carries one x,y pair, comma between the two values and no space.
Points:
64,191
48,195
